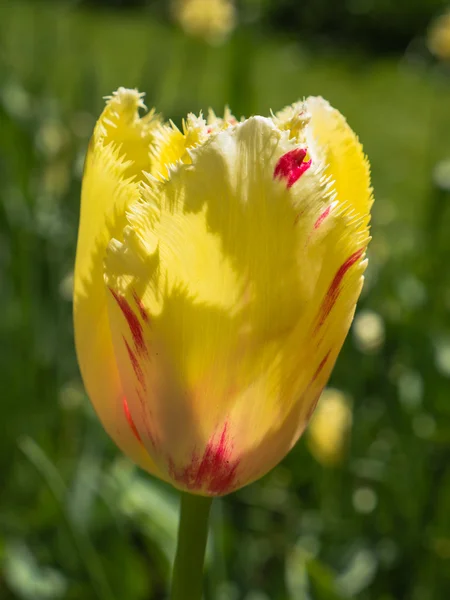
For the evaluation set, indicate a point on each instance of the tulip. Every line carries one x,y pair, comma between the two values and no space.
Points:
217,272
330,427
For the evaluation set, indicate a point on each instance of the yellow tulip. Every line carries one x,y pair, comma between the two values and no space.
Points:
330,427
216,278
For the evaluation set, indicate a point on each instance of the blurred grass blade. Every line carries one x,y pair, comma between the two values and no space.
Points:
323,581
53,479
84,487
152,507
29,579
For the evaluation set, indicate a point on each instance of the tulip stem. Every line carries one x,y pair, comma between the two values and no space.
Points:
187,576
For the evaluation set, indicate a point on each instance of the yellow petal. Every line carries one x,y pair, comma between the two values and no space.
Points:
347,165
106,194
172,145
133,136
230,295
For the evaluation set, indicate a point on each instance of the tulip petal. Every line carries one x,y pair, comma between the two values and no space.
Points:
172,145
347,165
109,187
230,294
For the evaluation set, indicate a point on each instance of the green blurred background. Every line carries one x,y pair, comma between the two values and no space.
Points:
372,522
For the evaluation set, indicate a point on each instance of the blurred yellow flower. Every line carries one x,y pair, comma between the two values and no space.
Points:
330,427
211,20
439,37
216,278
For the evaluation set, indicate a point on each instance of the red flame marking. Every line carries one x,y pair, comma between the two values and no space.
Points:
321,366
141,308
334,289
129,418
215,472
291,166
133,322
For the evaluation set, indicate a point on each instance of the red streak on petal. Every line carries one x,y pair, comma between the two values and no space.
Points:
133,322
129,418
321,366
140,305
215,472
322,217
135,364
291,166
334,289
319,369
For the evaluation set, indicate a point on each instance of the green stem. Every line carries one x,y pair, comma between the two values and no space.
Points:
187,577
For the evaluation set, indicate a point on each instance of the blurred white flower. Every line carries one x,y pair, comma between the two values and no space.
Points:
16,100
368,330
364,500
442,356
441,175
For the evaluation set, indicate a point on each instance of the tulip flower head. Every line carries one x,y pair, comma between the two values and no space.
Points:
217,272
